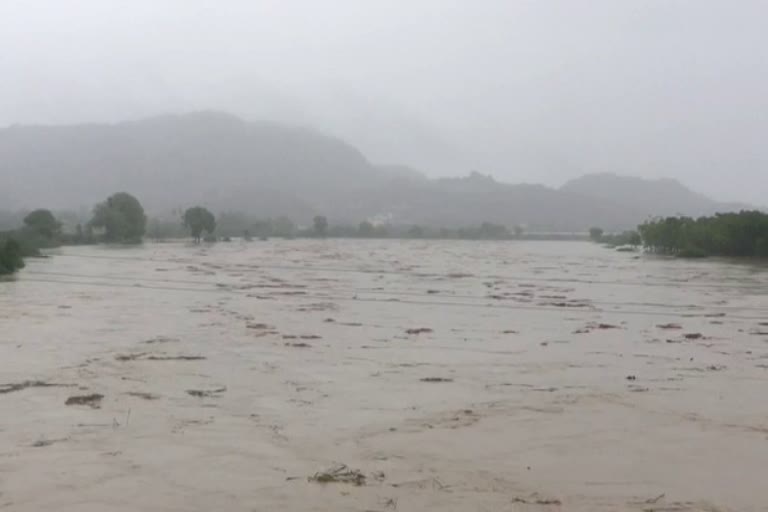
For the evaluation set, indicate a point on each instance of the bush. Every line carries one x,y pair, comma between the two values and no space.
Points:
11,258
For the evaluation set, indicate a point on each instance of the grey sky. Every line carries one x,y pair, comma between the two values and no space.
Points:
536,91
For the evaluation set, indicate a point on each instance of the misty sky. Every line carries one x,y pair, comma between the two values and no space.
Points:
535,91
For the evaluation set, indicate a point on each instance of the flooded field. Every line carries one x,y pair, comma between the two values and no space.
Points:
446,376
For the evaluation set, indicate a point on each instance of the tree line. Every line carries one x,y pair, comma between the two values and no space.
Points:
121,219
742,234
738,234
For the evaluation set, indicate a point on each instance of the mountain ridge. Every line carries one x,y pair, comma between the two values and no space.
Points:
271,169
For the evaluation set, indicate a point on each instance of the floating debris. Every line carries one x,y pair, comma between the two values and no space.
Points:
176,358
206,393
595,325
145,356
605,326
418,330
339,474
130,357
18,386
534,500
569,304
145,396
93,400
258,326
436,379
160,339
458,275
41,443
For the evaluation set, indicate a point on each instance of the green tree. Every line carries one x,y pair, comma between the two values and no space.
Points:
380,231
122,218
320,225
519,231
10,256
596,234
263,228
488,230
232,223
198,219
416,232
283,226
725,234
43,223
365,229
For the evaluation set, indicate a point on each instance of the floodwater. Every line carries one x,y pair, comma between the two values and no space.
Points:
454,376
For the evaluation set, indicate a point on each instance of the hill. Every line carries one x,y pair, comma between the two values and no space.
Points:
648,197
268,169
172,161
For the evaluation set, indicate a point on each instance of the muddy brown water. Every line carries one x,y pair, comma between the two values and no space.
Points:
509,393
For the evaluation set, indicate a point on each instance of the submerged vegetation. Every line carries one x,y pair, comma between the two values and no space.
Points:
197,220
620,240
623,239
743,234
10,256
40,230
238,224
121,217
42,223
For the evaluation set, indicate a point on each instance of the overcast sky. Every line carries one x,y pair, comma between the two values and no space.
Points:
534,91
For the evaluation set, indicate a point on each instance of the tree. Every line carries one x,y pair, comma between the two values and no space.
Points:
263,228
366,229
381,231
489,230
10,256
320,224
595,234
232,223
198,219
519,230
43,223
416,232
283,226
122,218
725,234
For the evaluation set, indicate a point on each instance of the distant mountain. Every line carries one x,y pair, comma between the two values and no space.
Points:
648,197
268,169
172,161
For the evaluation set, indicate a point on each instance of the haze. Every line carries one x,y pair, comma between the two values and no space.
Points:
526,91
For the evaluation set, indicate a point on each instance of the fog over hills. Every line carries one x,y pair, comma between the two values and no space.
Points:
269,169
